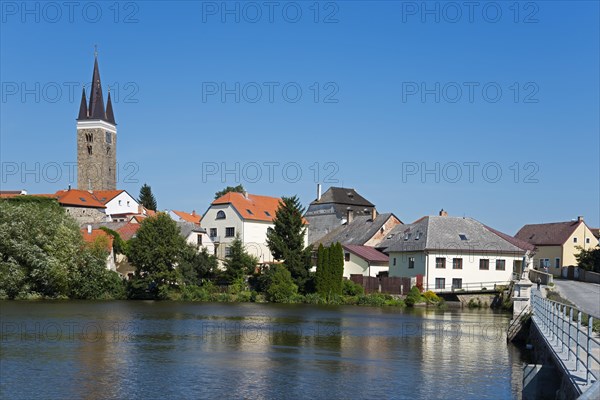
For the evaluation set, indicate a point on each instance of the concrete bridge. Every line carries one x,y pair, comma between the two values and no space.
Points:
565,335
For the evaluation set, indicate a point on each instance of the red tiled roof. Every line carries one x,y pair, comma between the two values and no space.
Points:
96,233
104,196
522,244
367,253
188,217
254,207
128,231
552,234
75,197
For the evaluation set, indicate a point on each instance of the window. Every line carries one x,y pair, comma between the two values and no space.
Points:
456,283
587,240
119,202
557,262
457,263
347,256
221,215
249,211
574,240
541,263
500,265
267,214
440,262
411,262
127,203
89,149
108,137
484,263
394,261
107,150
213,232
462,236
229,232
440,283
199,240
227,251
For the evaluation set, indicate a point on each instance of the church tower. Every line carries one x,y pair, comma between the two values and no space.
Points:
96,139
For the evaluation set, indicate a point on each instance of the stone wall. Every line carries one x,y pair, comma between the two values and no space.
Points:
96,159
86,215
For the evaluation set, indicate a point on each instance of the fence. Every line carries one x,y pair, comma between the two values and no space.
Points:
545,278
386,284
565,332
472,287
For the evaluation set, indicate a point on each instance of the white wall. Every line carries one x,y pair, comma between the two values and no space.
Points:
122,204
425,264
358,265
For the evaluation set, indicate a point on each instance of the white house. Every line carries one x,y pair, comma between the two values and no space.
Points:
120,205
449,253
243,214
364,260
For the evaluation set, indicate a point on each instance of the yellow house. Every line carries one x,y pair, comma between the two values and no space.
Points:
557,243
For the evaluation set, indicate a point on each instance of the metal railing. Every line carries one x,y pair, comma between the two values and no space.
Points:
517,323
472,287
562,327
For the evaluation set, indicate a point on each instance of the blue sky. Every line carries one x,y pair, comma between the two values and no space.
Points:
508,95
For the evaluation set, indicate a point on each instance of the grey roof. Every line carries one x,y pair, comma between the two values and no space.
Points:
186,228
444,233
358,232
95,109
346,196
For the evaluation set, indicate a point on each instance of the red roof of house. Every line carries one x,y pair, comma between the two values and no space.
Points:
96,233
253,207
552,234
128,230
367,253
522,244
75,197
189,217
104,196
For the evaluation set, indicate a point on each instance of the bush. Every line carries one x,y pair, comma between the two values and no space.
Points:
281,287
314,298
431,297
352,289
414,296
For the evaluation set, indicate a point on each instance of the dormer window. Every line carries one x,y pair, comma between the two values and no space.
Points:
267,213
249,211
462,236
221,214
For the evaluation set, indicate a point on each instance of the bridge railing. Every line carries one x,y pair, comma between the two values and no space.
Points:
471,287
562,326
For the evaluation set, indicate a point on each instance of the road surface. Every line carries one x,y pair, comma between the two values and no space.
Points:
586,296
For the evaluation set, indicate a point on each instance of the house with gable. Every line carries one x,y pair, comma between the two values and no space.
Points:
557,243
336,207
449,253
120,205
182,216
91,236
359,238
244,214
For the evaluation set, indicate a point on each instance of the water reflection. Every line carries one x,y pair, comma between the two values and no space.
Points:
191,350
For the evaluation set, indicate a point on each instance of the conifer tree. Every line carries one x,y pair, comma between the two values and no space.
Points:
147,198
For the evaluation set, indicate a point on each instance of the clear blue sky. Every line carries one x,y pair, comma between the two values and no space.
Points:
164,61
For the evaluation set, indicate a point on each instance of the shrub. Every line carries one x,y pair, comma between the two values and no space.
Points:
414,296
281,287
352,289
314,298
431,297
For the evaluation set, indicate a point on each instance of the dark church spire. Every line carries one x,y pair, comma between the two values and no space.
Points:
83,106
96,107
110,116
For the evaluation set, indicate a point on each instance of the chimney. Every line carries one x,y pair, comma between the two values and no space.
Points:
373,214
89,229
318,191
245,194
350,215
443,213
193,212
69,186
580,218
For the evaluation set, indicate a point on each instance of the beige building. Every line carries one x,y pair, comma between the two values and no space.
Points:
557,243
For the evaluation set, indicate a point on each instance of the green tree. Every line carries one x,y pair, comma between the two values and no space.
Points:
235,189
197,266
280,287
286,239
330,270
589,259
322,275
238,263
336,260
42,253
156,250
147,198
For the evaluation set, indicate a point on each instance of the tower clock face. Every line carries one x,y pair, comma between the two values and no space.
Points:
108,137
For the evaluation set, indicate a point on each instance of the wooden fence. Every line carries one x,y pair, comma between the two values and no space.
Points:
386,284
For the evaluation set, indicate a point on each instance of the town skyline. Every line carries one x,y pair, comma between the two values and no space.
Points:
374,134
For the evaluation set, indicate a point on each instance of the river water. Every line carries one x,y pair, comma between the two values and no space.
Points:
148,350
